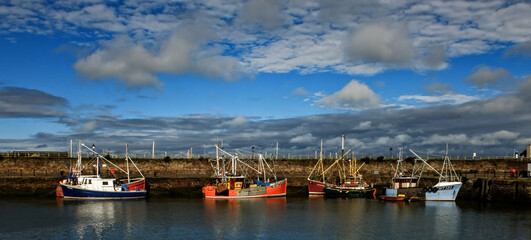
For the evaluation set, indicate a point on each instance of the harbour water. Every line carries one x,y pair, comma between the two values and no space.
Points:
274,218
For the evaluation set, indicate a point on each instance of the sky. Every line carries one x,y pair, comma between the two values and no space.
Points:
190,74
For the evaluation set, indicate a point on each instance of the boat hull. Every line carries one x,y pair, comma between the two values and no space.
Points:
401,194
277,189
316,187
445,191
392,199
70,191
348,192
137,184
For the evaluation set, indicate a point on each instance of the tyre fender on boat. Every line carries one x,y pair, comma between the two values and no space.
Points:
425,189
435,189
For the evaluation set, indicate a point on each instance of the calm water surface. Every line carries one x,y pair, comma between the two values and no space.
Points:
275,218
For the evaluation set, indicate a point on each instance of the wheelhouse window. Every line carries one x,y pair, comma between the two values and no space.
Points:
104,183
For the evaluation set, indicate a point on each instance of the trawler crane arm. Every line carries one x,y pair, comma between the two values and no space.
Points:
234,157
337,161
418,157
102,157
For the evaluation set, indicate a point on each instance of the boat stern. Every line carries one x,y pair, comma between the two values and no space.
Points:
209,191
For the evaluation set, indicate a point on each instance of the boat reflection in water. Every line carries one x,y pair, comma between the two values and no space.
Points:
269,218
446,218
233,217
100,219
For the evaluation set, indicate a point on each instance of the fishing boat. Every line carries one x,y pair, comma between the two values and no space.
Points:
352,185
449,183
237,178
348,182
319,177
79,186
351,188
405,184
316,179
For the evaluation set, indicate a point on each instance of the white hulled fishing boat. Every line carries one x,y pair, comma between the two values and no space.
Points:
449,183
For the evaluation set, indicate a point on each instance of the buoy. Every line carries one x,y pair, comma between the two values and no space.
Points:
59,191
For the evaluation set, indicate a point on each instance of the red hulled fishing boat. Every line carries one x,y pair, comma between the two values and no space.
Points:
238,178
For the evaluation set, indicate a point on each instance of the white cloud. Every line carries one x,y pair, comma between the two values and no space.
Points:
300,91
354,96
486,139
486,75
303,36
90,126
520,49
397,140
438,87
436,58
493,138
235,122
450,138
524,141
125,60
306,138
353,143
506,104
363,125
379,43
446,98
264,12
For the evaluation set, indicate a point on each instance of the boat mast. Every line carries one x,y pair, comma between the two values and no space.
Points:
343,155
217,162
448,169
321,166
127,162
355,167
79,157
97,161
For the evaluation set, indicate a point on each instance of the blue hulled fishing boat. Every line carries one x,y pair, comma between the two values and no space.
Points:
80,186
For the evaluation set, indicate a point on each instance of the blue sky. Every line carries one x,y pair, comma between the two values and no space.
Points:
184,73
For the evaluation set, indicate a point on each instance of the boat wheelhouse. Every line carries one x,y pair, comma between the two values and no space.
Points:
405,183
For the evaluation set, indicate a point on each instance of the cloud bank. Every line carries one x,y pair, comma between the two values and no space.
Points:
352,37
18,102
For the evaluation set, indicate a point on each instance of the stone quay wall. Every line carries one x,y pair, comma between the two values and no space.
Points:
488,180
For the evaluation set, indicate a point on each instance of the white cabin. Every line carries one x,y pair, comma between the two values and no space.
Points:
98,184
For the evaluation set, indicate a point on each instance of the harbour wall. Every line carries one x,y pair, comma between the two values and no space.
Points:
486,180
